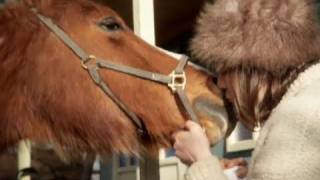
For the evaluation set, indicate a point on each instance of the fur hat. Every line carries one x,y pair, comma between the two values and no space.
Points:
270,34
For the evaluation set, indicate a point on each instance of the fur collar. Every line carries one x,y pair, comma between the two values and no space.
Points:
269,34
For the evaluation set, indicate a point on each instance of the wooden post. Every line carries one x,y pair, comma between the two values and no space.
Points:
108,167
143,14
143,20
88,166
24,157
149,168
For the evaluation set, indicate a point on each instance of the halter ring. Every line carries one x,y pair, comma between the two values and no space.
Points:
178,80
86,61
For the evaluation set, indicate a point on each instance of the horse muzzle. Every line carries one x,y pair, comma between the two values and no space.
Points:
213,117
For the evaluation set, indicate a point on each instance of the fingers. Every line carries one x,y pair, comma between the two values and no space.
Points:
191,132
175,135
179,135
229,163
224,163
179,139
189,125
242,162
238,162
192,126
242,172
184,158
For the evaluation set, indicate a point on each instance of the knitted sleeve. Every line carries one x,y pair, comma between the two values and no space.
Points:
290,147
209,169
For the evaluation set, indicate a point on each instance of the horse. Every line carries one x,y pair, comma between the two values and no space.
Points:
47,96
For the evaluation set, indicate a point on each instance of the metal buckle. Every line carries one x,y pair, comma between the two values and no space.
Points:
178,80
86,61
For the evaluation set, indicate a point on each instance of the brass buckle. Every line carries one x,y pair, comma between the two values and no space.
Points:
86,61
178,80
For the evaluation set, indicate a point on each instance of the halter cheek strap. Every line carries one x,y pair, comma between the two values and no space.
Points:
176,81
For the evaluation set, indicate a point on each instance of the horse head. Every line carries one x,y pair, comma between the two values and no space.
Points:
48,96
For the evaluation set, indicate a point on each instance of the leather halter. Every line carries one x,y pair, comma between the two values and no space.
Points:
176,81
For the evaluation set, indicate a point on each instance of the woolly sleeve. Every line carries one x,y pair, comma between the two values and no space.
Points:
290,147
209,169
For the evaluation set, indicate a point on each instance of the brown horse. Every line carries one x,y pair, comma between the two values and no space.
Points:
47,96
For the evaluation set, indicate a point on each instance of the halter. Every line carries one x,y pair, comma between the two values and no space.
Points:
176,81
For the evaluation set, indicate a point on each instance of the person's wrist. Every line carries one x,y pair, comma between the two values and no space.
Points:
203,155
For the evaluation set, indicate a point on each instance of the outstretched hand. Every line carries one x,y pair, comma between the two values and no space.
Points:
191,144
241,163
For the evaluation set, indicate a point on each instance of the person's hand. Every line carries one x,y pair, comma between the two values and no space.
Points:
240,162
191,144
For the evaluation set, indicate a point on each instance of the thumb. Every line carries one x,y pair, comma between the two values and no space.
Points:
191,126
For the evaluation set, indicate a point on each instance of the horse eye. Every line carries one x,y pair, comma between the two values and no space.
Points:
110,24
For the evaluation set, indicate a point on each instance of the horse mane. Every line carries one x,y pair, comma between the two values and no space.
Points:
45,7
17,31
17,34
21,40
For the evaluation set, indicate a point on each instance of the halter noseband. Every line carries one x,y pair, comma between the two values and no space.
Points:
176,81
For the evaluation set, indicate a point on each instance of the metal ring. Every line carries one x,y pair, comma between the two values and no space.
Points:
89,58
175,77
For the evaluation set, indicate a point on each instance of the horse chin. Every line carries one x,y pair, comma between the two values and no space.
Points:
213,117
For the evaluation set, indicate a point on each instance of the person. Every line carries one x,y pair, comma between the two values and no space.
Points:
193,148
266,54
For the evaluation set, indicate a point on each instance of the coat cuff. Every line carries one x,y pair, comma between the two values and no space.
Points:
209,169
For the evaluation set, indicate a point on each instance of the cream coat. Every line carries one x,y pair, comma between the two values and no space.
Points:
289,145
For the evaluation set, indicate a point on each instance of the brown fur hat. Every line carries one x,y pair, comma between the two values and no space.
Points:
269,34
